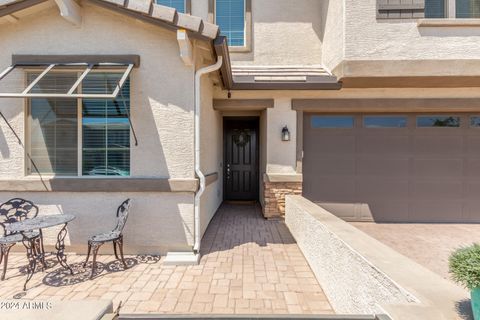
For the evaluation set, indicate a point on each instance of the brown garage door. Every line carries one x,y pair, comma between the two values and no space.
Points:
410,168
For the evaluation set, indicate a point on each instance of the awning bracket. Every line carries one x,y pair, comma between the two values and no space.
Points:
80,79
26,93
37,80
129,120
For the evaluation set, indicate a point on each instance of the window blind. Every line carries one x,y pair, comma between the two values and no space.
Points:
53,126
106,130
230,17
435,9
53,132
177,4
467,8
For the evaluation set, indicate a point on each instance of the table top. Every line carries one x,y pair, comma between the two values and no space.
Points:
40,222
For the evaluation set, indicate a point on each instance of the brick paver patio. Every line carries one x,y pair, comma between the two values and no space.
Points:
249,266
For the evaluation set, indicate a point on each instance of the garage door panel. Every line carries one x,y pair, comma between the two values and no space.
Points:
435,167
472,190
333,165
395,174
472,168
384,188
437,189
375,165
471,211
388,211
384,145
331,189
346,211
473,144
330,144
438,145
435,210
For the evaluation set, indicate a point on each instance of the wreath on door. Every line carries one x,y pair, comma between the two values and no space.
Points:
241,137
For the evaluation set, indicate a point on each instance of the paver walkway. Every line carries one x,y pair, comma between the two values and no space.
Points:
429,244
249,266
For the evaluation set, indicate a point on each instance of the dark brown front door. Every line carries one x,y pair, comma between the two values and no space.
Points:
241,159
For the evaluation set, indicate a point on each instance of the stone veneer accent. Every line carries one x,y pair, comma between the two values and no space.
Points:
274,196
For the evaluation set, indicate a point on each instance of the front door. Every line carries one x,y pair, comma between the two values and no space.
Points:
241,159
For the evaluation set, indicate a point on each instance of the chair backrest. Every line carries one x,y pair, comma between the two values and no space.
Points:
15,210
122,215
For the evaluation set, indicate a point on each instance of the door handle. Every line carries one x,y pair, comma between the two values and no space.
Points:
228,171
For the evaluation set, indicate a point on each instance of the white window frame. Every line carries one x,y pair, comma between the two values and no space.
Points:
28,168
450,7
247,32
451,10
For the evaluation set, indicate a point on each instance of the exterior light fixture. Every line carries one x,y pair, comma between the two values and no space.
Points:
285,134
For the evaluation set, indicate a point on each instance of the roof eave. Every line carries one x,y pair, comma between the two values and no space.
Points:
287,86
17,6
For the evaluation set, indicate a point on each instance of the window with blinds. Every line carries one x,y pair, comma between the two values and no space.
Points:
179,5
53,126
467,9
53,135
104,127
435,9
230,17
106,130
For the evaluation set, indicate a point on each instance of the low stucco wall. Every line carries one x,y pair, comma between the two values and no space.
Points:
352,284
157,222
361,275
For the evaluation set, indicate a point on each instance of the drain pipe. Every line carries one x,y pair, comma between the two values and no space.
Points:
198,75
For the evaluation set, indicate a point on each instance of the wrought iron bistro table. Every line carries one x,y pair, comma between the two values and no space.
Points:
42,223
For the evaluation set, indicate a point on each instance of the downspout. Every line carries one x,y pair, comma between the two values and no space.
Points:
198,75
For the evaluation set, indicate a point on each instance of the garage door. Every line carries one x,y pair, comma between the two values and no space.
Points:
402,168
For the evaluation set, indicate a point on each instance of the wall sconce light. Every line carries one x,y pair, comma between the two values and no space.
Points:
285,134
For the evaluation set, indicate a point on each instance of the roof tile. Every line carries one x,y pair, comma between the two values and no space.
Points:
117,2
142,6
189,22
210,30
163,13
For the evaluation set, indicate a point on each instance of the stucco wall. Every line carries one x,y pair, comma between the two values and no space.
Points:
211,154
284,32
352,284
333,32
281,155
161,112
363,275
369,38
157,223
161,109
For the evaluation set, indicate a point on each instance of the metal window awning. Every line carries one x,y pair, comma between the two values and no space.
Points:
41,70
67,77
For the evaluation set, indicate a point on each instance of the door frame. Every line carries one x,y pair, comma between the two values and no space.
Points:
256,121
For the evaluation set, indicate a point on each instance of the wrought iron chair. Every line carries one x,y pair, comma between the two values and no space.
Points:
114,236
16,210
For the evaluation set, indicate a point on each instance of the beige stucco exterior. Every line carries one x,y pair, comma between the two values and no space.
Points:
276,25
162,110
162,115
369,39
